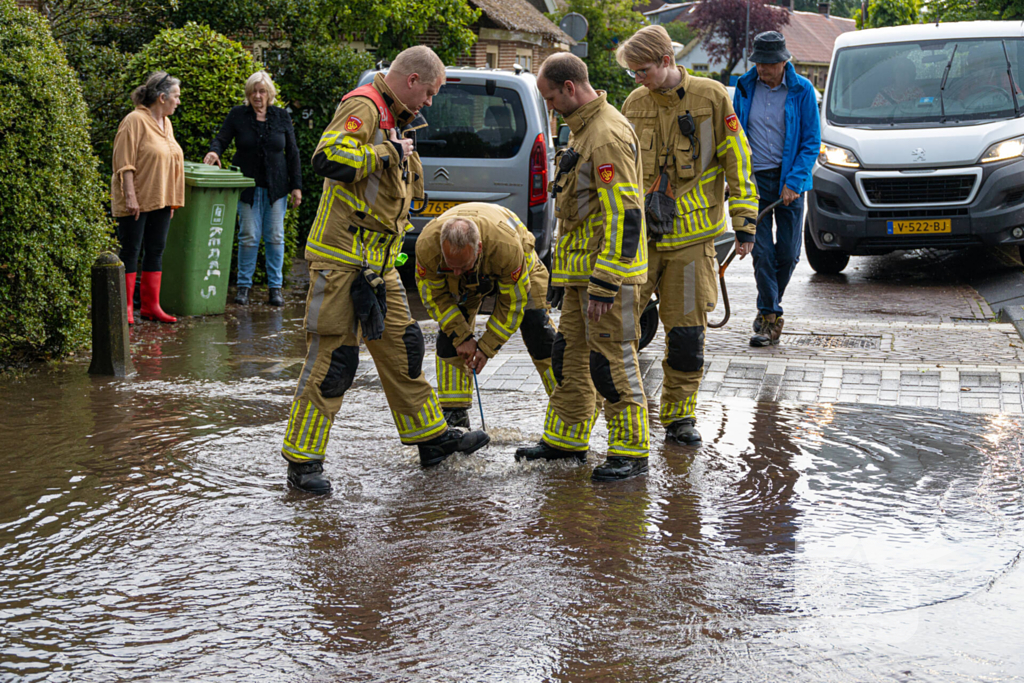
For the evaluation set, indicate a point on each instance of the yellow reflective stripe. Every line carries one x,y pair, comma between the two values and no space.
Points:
742,186
349,152
567,437
548,378
307,432
425,425
424,287
672,412
323,212
517,296
628,433
453,385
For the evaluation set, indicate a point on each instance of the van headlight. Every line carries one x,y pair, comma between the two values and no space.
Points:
1001,151
830,155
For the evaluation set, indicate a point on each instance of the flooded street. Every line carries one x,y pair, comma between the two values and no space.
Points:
146,533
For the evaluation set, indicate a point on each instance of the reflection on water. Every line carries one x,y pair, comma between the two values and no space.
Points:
146,534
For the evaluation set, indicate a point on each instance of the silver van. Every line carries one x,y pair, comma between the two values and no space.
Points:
488,141
922,142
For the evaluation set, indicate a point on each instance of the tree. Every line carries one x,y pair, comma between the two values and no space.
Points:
724,25
611,22
391,25
891,13
680,31
967,10
52,224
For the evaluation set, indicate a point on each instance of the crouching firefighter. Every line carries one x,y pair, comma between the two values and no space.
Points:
600,262
691,144
371,174
467,253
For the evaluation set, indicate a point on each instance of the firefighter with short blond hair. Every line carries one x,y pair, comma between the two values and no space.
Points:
691,144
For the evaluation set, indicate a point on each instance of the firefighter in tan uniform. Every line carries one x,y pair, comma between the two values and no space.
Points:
371,175
467,253
690,137
601,262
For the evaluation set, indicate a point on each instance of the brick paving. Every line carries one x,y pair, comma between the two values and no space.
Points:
898,330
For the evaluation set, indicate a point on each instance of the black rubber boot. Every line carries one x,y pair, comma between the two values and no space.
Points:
543,451
684,431
456,417
242,296
436,450
275,298
618,467
308,477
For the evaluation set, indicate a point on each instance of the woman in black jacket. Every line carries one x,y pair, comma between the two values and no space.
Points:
266,152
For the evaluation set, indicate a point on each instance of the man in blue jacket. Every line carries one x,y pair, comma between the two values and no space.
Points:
779,112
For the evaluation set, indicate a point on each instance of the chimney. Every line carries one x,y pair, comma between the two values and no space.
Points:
823,8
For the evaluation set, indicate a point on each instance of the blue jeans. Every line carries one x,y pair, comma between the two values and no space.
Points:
265,220
775,256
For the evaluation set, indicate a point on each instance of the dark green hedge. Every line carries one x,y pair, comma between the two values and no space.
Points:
213,71
52,221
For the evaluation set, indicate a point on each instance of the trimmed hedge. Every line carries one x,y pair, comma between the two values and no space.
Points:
52,220
213,71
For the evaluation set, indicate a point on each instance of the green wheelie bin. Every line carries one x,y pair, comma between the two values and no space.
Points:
197,258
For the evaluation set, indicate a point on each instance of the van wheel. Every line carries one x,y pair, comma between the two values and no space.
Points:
827,262
648,325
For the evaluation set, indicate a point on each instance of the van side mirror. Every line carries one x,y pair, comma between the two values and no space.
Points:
563,136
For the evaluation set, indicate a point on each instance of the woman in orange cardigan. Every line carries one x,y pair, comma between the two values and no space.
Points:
148,184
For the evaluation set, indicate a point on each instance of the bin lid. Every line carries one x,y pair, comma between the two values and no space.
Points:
203,175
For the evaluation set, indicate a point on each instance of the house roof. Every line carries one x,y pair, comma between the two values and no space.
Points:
520,15
810,36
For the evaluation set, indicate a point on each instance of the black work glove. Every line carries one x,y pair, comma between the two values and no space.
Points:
369,297
555,296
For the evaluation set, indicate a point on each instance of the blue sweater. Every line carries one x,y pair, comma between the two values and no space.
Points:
803,125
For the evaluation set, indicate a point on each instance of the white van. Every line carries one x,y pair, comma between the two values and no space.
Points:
922,142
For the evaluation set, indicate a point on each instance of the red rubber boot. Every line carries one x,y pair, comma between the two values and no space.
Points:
151,298
129,288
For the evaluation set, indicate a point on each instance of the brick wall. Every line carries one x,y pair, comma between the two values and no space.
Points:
34,4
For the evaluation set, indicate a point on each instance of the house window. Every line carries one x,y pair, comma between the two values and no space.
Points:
492,56
700,67
524,58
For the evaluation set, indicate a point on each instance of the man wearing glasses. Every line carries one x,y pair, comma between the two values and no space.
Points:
691,144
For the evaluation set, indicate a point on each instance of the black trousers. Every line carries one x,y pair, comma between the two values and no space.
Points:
149,230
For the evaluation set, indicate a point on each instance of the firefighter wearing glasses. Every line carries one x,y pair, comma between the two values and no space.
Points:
371,176
691,144
601,262
466,254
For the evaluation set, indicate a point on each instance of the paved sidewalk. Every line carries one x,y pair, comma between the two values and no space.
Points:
899,330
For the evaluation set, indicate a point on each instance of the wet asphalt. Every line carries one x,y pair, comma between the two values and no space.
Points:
146,532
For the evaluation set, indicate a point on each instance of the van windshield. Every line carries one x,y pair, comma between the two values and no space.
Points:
901,83
467,122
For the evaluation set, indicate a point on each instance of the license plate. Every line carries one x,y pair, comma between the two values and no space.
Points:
920,227
437,208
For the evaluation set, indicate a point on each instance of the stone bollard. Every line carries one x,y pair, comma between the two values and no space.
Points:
110,350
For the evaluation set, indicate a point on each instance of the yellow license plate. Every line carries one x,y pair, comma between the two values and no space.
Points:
436,208
920,227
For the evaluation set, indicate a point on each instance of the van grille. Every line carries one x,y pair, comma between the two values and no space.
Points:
920,242
933,190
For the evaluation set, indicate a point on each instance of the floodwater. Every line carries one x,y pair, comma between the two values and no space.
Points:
146,534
